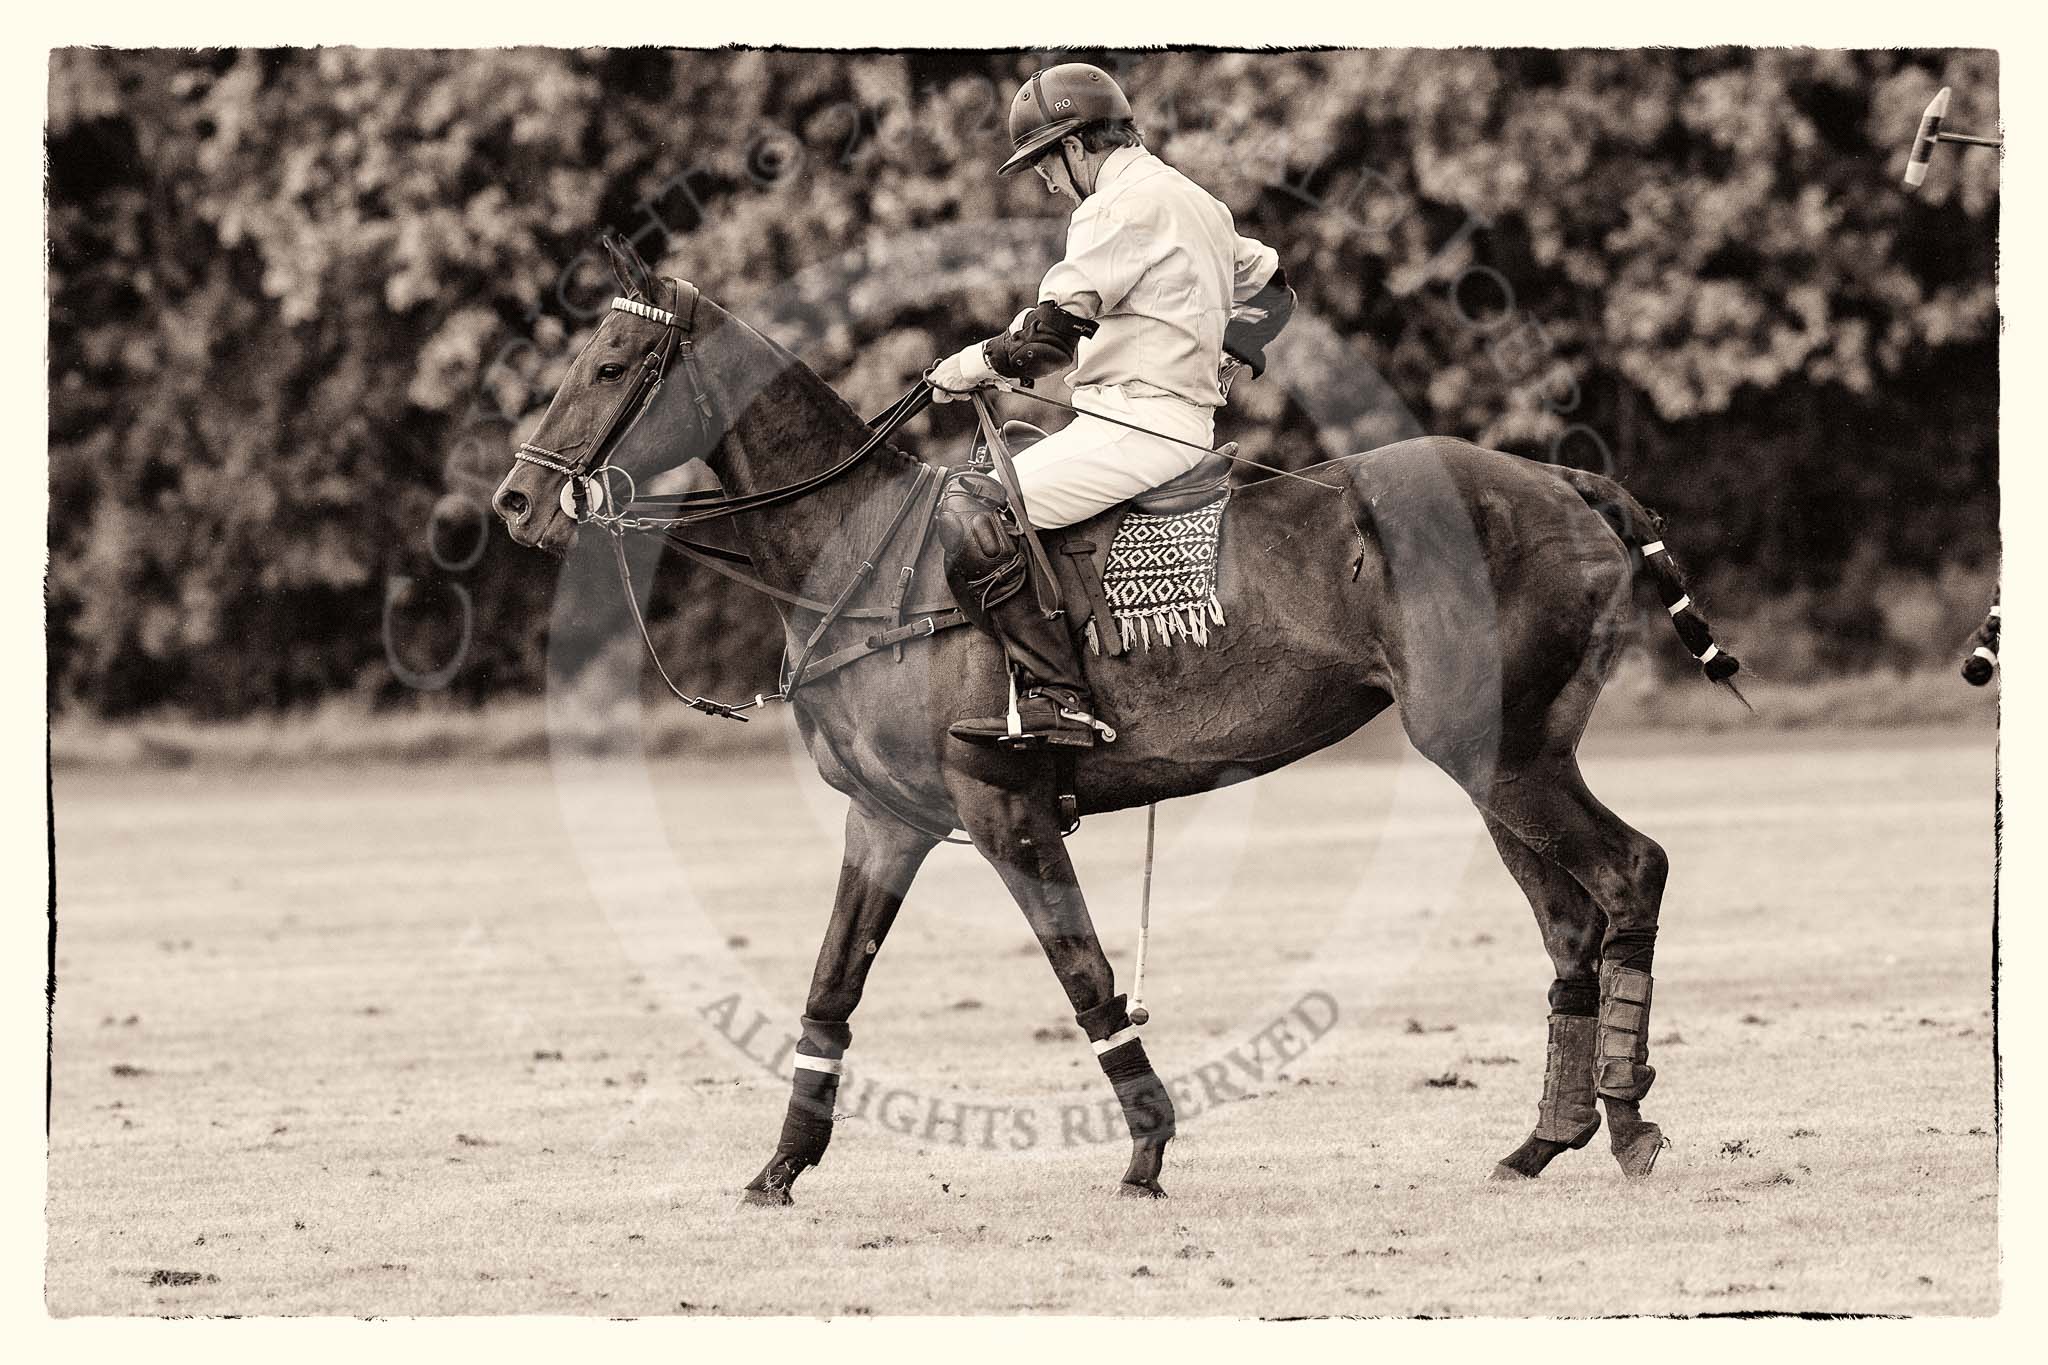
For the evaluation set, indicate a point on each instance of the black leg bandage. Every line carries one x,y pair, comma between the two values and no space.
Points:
1632,948
1575,996
813,1091
1148,1109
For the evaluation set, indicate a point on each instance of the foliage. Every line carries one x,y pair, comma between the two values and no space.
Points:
302,303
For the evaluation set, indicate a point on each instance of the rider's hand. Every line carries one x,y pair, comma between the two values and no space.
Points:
960,374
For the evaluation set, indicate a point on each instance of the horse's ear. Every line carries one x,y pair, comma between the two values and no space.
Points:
636,281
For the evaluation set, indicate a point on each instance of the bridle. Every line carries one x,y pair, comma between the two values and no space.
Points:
677,341
588,498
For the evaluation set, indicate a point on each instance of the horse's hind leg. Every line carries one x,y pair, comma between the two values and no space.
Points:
1572,926
1546,805
1019,833
882,856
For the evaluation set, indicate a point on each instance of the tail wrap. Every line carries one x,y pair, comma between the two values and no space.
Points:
1977,669
1638,526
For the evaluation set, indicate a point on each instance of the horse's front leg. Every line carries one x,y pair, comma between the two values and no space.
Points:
882,856
1019,832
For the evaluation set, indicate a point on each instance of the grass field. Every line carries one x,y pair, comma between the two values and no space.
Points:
434,1039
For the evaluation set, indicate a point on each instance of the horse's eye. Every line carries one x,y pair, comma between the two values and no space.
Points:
611,371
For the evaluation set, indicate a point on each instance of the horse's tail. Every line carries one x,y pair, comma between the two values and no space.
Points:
1641,530
1984,658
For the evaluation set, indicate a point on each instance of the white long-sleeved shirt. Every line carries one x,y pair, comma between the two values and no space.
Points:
1155,259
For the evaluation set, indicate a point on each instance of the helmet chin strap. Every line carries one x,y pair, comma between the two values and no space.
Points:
1072,178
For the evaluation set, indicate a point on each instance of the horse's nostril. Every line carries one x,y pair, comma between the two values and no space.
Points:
512,505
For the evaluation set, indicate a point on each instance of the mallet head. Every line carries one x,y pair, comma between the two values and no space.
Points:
1924,144
1139,1014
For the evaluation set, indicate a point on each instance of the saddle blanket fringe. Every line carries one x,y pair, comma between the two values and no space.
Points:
1160,577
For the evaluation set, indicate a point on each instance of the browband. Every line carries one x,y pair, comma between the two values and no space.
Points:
648,311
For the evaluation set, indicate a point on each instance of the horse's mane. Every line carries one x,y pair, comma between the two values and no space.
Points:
808,382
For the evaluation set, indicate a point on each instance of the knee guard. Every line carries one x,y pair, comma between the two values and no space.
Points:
984,559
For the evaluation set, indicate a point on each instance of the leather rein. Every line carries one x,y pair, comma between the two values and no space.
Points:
588,499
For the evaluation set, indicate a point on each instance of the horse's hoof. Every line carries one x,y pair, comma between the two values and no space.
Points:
1134,1189
1639,1154
766,1199
1527,1161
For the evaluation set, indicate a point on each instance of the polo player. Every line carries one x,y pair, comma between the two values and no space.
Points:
1156,286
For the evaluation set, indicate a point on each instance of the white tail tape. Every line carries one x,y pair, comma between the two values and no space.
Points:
1127,1034
1708,657
1655,547
1993,613
1981,652
831,1066
1684,601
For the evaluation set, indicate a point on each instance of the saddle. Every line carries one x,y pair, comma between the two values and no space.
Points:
1079,553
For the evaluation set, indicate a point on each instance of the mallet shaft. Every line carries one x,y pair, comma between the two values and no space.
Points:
1139,1014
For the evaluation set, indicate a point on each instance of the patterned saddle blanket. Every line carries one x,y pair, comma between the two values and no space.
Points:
1160,577
1148,566
1139,577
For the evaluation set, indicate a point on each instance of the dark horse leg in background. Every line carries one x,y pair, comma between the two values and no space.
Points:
1572,926
1595,883
882,856
1547,806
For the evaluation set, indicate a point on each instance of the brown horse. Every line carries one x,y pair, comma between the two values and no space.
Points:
1483,594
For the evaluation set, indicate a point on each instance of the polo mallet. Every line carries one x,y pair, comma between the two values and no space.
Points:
1139,1014
1931,133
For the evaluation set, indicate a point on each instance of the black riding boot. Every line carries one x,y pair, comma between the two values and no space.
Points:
990,575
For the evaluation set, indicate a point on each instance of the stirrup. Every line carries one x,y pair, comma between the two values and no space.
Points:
1071,729
1018,738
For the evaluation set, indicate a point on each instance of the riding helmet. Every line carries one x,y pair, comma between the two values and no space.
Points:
1055,102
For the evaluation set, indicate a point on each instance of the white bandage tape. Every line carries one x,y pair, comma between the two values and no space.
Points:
1127,1034
1684,601
831,1066
1655,547
1708,657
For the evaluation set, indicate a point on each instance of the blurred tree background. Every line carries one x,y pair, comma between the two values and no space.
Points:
303,304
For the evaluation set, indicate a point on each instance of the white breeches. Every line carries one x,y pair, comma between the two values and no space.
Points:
1089,465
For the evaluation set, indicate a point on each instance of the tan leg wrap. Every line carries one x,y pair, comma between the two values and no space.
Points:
1567,1113
1624,1072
